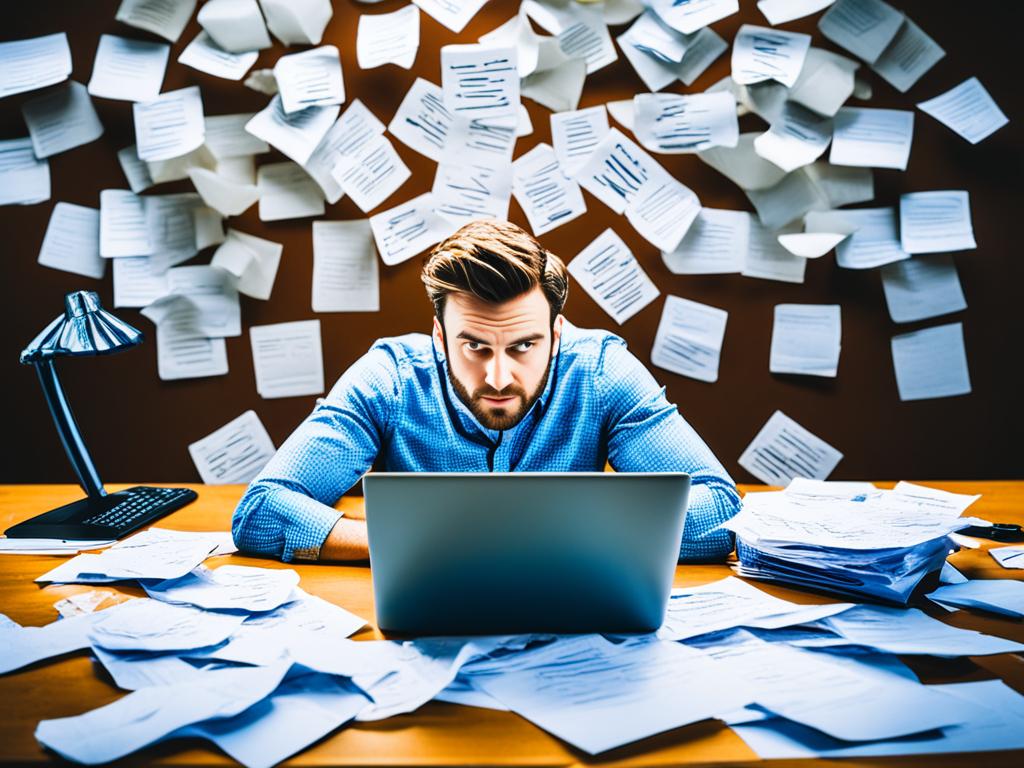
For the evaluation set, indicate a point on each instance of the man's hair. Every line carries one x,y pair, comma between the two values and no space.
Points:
494,261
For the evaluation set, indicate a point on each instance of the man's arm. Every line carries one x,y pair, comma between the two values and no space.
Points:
647,434
287,511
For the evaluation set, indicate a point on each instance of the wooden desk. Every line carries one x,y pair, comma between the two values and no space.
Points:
439,733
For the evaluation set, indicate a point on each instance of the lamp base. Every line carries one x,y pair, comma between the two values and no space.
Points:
104,517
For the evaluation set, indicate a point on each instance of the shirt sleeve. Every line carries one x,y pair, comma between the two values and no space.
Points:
646,433
287,511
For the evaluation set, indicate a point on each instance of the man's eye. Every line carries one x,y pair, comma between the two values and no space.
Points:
525,346
473,346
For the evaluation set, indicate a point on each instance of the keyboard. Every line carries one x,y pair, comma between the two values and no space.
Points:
141,505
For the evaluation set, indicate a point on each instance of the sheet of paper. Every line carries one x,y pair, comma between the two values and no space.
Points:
205,55
226,196
226,137
123,230
911,53
287,359
607,270
235,25
422,122
584,35
166,18
575,135
690,16
234,453
310,79
716,243
34,63
490,141
701,52
1002,596
142,559
936,222
842,185
967,109
408,229
132,70
825,83
169,126
766,259
579,688
783,450
136,171
138,280
674,124
350,135
72,241
863,27
558,87
742,165
49,547
1008,557
810,245
215,295
548,197
780,11
345,271
931,363
761,53
372,173
922,287
24,179
454,14
806,339
479,81
472,189
171,224
182,351
27,645
689,339
61,119
388,38
297,21
797,138
229,587
875,138
296,135
286,191
654,37
873,239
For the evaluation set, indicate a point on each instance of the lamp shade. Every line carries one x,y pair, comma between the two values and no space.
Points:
85,328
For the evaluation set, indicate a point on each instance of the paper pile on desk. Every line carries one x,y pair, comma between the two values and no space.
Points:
878,544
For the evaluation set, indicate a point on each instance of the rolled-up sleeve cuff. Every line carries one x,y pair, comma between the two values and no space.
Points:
306,524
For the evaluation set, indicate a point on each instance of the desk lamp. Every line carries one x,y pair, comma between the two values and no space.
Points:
86,329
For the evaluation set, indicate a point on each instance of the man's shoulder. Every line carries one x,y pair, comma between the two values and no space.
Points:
414,349
587,345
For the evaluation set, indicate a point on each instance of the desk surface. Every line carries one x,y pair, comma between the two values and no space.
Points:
439,733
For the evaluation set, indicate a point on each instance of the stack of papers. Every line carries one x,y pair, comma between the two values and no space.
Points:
877,544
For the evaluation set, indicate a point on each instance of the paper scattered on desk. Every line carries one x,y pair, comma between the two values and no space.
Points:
372,173
689,339
229,587
350,135
72,241
215,295
783,450
34,63
24,179
806,339
295,135
1008,557
875,138
26,645
767,259
454,14
780,11
863,27
132,70
689,17
166,18
235,453
576,134
299,22
548,197
672,123
911,54
479,81
235,25
936,222
931,363
61,119
409,229
286,191
287,359
825,83
607,270
716,243
310,79
183,351
742,165
205,55
388,38
345,272
796,138
967,109
474,187
169,126
123,230
873,240
922,287
761,53
1002,596
422,122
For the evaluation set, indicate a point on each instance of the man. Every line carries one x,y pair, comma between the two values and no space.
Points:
504,384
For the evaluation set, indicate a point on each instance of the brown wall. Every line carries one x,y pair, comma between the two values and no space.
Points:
138,427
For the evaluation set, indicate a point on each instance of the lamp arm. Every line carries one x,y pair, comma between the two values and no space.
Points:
67,429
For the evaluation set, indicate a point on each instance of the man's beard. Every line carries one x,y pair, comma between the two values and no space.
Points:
498,418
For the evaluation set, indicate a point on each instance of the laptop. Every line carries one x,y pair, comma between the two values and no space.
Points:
478,554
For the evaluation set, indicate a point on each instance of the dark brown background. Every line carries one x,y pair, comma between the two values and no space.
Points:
138,427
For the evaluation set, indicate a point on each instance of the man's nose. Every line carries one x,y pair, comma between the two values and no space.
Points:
499,372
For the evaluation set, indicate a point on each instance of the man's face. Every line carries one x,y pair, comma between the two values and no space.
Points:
498,354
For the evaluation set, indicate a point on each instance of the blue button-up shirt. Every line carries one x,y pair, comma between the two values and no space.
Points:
396,407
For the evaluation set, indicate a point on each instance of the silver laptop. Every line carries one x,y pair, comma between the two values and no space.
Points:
473,553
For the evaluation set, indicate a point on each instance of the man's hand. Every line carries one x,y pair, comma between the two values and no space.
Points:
346,541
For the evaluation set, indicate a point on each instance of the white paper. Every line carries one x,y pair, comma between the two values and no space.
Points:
607,270
372,173
72,241
654,37
170,125
166,18
825,83
234,453
690,16
349,135
783,450
716,243
33,63
136,172
182,351
215,295
138,280
295,135
422,122
1008,557
575,135
205,55
811,245
388,38
875,138
454,14
472,189
911,53
48,547
923,287
967,109
873,239
768,260
793,197
689,339
479,81
27,645
742,165
762,53
139,557
936,222
123,230
287,192
806,339
61,119
310,79
558,87
253,260
797,138
548,197
235,25
490,141
171,224
863,27
780,11
297,21
586,37
345,271
408,229
132,70
1002,596
931,363
287,359
24,179
673,124
177,168
227,138
229,587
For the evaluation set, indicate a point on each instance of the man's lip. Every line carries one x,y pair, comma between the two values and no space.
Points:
498,399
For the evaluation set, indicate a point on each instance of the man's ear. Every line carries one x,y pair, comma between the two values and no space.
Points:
556,334
438,335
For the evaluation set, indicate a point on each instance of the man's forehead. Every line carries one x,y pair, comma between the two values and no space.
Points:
527,314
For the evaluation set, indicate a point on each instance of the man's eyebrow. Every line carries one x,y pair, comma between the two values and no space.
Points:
470,337
525,339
